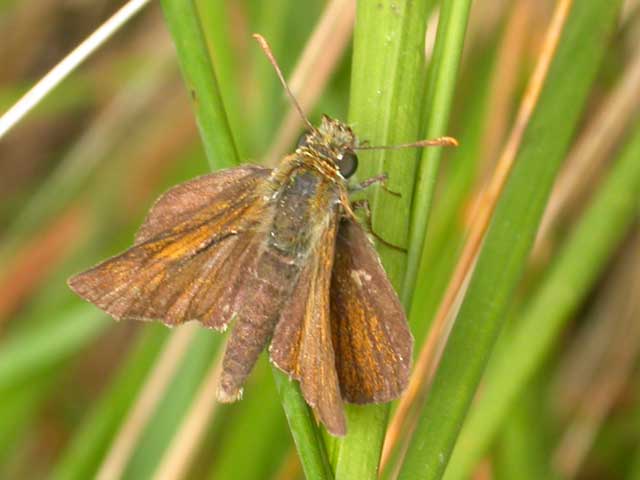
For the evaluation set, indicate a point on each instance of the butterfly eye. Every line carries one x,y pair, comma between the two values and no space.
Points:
348,164
302,141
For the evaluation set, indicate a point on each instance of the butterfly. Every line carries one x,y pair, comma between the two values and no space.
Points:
280,254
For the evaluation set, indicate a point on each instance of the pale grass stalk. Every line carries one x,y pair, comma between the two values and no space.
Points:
430,352
504,82
58,73
184,445
151,393
314,69
628,9
431,33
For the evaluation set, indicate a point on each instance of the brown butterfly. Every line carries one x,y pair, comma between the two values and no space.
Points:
279,252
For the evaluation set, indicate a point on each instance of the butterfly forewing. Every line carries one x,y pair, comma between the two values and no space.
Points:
185,247
202,199
371,338
301,344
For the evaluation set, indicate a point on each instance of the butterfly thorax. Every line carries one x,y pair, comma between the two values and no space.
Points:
307,193
302,202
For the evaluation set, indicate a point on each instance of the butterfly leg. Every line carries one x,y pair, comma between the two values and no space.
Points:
363,204
381,179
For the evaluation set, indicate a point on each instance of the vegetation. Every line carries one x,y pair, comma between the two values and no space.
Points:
526,235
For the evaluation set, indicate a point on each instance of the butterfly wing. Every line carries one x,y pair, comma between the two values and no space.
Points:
201,200
301,344
371,336
189,254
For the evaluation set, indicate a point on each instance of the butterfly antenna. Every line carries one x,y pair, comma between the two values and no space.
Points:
436,142
267,51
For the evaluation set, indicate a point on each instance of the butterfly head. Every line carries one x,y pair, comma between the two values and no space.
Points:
332,142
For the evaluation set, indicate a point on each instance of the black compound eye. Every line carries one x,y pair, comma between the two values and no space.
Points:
348,164
302,141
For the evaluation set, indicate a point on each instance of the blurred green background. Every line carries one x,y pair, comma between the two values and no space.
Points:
83,396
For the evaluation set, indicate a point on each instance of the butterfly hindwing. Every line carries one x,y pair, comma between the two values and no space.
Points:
189,255
371,337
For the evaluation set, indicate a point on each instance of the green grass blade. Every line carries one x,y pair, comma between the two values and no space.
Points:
199,75
442,81
388,76
303,428
445,232
218,31
578,265
510,236
200,78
